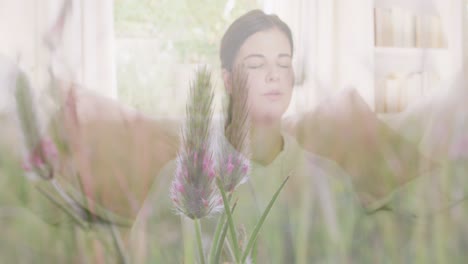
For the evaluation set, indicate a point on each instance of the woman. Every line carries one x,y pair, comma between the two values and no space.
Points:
262,46
313,218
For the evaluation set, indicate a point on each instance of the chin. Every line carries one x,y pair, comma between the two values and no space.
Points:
268,117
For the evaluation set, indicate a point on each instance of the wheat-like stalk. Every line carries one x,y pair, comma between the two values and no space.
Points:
234,161
193,189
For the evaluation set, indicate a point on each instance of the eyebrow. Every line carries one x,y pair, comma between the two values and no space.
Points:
255,55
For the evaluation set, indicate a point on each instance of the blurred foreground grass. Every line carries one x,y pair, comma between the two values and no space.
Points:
35,231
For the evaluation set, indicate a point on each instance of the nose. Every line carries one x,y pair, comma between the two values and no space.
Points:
272,74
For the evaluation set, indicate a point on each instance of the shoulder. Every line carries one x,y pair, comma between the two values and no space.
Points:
319,174
311,164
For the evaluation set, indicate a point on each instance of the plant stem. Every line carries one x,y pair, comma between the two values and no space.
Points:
232,229
220,242
215,244
189,243
118,244
253,237
199,240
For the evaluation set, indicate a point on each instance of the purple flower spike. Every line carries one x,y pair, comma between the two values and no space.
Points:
193,191
229,166
44,155
179,187
245,168
233,170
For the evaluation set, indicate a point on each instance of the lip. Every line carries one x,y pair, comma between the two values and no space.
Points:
273,95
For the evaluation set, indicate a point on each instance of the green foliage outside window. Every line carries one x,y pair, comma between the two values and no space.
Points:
159,43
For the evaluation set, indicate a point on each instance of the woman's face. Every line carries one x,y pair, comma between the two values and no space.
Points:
266,58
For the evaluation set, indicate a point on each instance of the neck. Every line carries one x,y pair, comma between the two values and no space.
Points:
266,142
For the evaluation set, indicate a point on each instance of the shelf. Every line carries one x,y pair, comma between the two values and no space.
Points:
415,6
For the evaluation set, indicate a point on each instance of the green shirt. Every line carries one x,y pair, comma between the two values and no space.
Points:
312,220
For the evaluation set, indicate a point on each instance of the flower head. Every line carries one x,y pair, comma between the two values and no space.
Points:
233,169
42,159
41,152
234,162
193,190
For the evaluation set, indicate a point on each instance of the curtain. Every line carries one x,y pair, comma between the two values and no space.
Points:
313,27
84,52
331,37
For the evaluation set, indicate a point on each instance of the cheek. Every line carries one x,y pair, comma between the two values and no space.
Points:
255,85
255,80
287,82
288,78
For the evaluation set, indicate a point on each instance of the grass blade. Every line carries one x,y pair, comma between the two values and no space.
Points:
253,237
214,246
196,222
220,240
69,212
232,229
118,244
26,112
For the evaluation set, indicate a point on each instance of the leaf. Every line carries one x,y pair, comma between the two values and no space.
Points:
219,241
26,112
232,229
254,235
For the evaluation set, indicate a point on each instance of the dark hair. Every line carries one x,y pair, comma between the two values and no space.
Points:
245,26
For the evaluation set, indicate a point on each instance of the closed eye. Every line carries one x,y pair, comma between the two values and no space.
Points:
254,62
255,66
284,62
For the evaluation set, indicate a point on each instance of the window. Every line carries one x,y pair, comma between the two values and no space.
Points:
159,43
